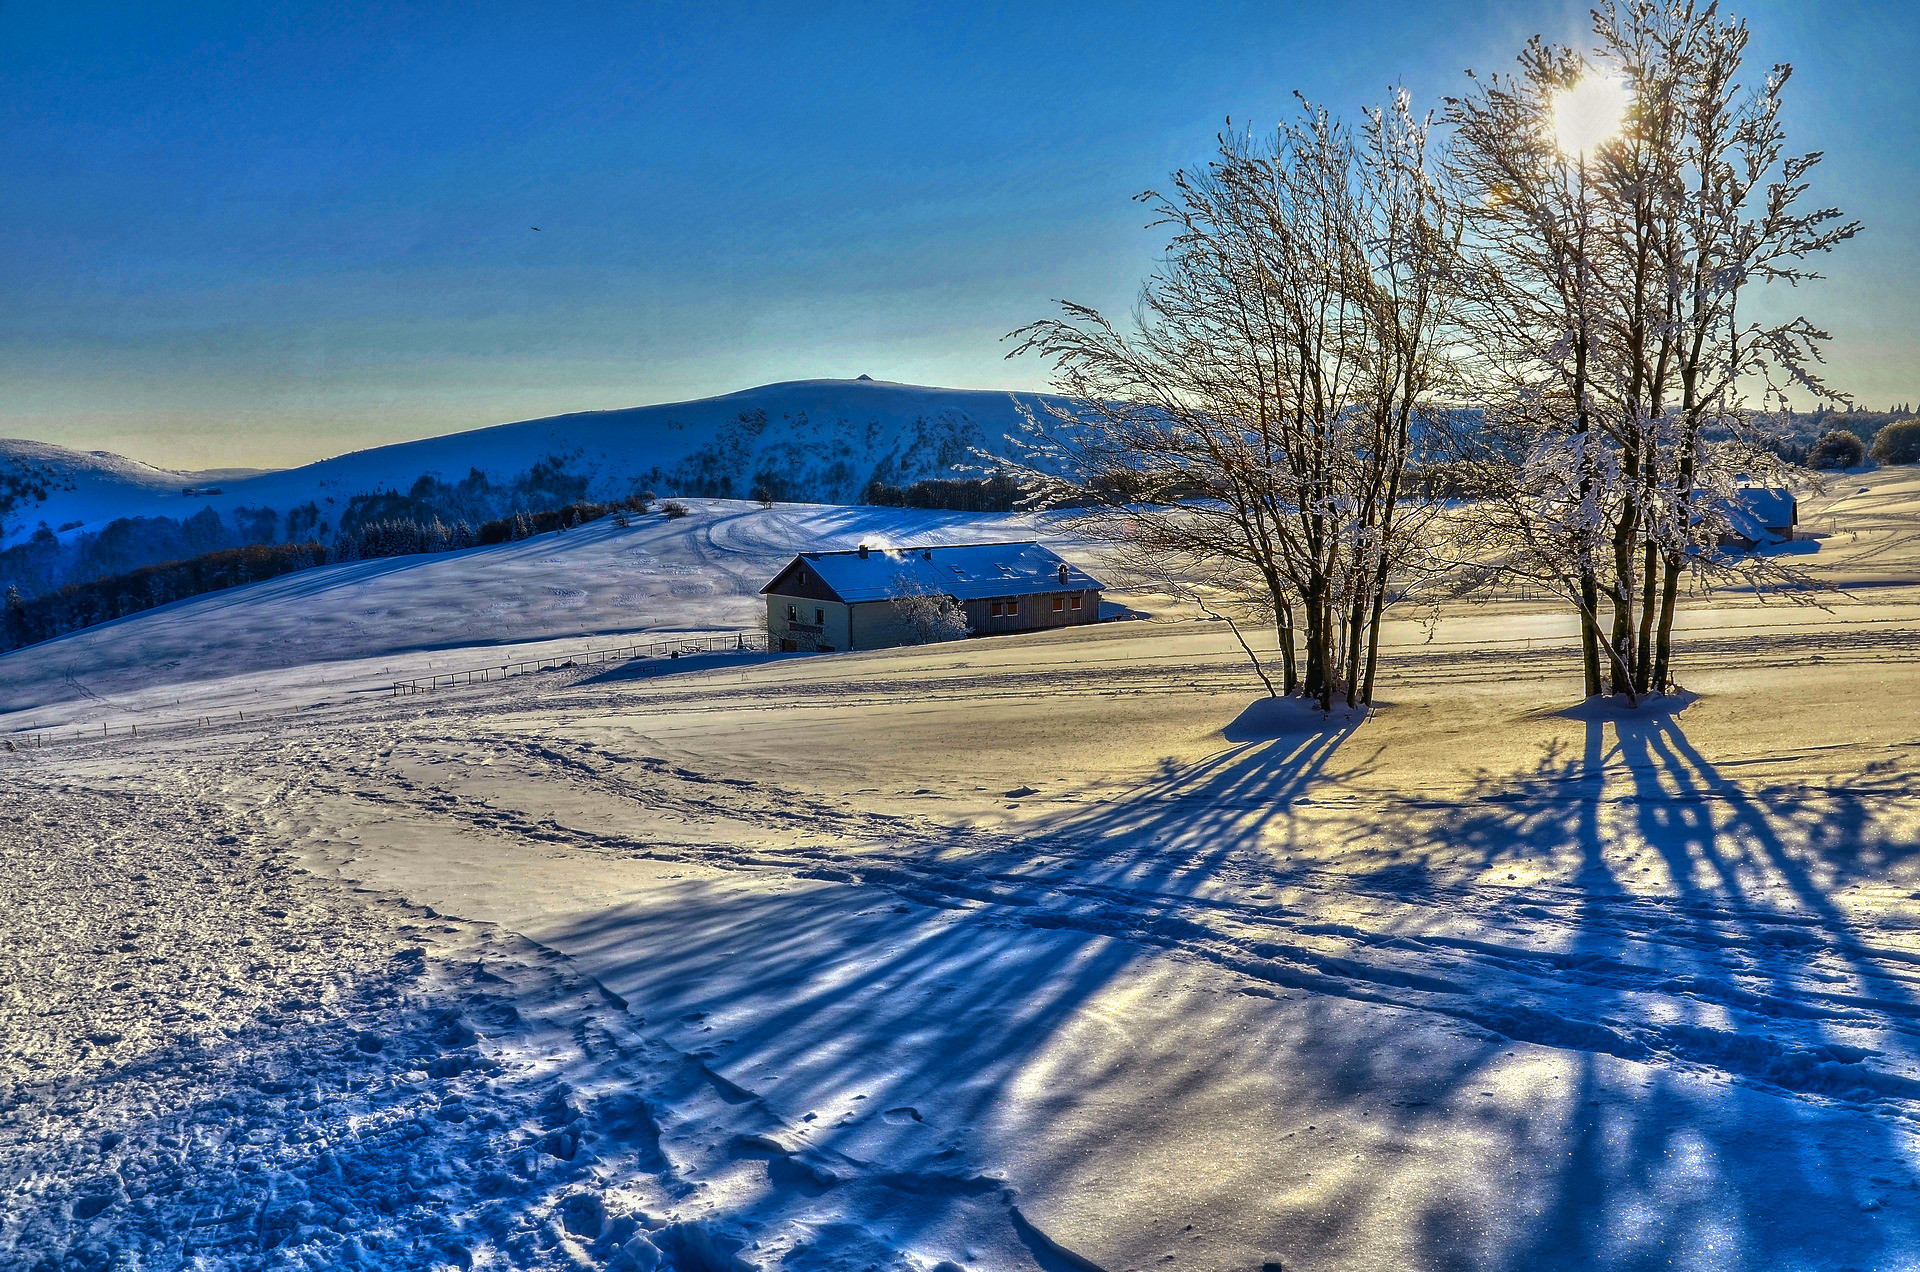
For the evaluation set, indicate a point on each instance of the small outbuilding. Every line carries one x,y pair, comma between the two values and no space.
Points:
830,601
1760,515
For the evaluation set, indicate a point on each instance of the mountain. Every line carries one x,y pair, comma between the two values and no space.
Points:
819,441
68,488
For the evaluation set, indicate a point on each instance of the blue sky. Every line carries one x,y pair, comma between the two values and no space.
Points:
263,233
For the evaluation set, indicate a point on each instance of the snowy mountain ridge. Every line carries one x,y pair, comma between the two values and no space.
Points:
819,441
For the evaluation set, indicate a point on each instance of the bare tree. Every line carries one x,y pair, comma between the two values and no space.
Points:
1601,302
1253,428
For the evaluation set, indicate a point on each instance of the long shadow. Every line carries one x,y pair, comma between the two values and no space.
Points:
1168,836
958,1011
1796,1133
902,1023
1177,830
660,666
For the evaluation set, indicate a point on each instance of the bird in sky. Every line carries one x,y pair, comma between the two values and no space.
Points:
534,228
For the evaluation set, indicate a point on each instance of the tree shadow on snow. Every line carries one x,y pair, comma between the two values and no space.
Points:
1769,1044
906,1019
1734,1055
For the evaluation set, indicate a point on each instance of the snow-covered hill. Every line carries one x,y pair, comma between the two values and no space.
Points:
66,488
375,621
819,441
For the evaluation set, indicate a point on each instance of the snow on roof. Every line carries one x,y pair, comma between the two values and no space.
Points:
1760,514
966,571
1769,505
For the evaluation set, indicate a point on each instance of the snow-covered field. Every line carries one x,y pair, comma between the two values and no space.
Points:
1049,951
342,631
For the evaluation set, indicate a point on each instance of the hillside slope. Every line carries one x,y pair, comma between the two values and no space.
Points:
1039,952
819,441
43,482
371,622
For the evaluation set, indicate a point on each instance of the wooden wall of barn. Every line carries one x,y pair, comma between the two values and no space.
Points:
813,624
1036,612
877,625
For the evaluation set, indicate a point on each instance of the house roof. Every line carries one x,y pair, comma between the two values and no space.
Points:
1769,505
1760,514
964,571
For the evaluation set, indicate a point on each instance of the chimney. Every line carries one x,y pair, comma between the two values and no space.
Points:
1063,571
863,552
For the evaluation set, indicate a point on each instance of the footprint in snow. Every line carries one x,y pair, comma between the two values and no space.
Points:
902,1116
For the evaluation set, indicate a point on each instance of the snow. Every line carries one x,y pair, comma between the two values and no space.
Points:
43,482
348,629
965,571
1044,951
825,438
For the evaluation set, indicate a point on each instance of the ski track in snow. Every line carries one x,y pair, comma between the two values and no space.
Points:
216,1060
237,1064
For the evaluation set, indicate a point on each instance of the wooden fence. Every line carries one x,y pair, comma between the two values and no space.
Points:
667,647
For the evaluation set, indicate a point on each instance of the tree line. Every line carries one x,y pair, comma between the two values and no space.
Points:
1894,443
997,492
50,558
29,619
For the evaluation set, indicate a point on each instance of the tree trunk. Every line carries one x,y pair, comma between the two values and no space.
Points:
1373,632
1643,665
1283,624
1590,632
1620,675
1663,644
1356,627
1316,672
1670,585
1328,668
1626,534
1621,645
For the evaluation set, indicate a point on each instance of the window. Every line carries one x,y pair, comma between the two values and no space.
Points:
1013,609
819,618
998,609
1059,603
793,613
1076,602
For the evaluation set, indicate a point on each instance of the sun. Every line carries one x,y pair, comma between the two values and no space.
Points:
1588,115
